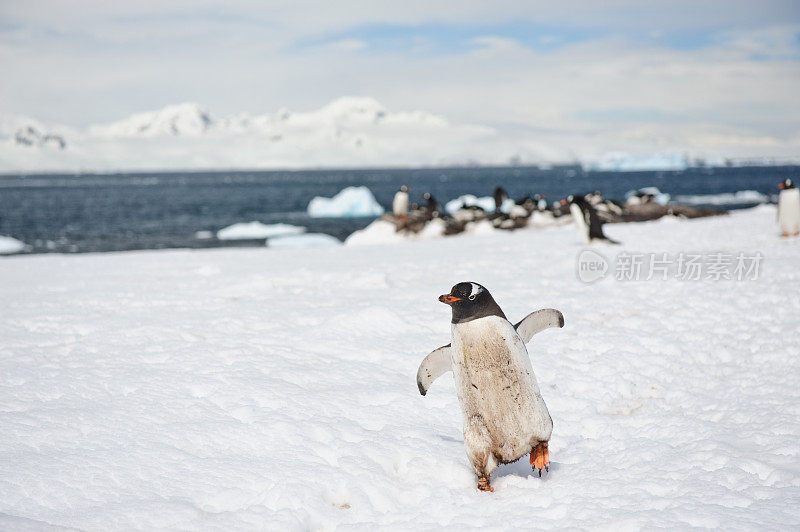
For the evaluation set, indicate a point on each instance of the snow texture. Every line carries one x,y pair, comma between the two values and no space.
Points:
10,245
307,240
350,202
256,230
242,389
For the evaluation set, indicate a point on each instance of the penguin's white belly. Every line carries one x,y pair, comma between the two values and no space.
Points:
789,210
504,412
400,204
580,221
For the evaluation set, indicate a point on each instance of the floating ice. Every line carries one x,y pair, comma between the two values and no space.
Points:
351,202
742,196
254,230
625,162
10,245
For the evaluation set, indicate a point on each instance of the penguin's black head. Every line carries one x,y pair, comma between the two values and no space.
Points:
576,198
471,301
787,184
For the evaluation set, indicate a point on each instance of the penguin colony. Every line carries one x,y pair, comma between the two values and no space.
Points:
504,414
590,212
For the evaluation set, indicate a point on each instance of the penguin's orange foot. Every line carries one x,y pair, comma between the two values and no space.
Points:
540,458
483,484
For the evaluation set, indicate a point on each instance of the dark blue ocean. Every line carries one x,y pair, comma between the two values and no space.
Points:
114,212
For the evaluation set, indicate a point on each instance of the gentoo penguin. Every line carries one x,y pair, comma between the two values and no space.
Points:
587,220
789,208
432,205
500,196
541,202
400,202
503,411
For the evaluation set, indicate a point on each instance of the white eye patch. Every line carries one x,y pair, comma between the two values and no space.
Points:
476,289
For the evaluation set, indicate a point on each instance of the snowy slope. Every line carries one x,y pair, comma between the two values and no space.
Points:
274,389
187,119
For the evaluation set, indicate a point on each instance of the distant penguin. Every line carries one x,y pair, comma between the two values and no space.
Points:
587,220
400,202
789,208
503,411
526,202
432,205
500,196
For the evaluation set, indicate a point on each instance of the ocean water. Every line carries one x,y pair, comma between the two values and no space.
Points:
115,212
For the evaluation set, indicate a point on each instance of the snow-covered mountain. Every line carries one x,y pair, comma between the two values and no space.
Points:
348,132
27,132
186,119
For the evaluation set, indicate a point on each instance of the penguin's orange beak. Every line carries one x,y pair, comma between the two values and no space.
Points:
447,298
780,186
563,202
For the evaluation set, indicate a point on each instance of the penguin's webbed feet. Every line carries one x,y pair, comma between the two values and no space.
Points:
483,484
540,458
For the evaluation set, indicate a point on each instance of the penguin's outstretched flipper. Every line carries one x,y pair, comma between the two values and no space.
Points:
434,365
536,322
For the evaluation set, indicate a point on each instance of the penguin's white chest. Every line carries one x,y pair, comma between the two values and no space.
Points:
400,204
497,389
789,210
580,221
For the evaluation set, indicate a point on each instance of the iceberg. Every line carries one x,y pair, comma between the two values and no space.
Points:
255,230
9,246
351,202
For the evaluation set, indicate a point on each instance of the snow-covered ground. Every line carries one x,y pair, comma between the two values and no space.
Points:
235,389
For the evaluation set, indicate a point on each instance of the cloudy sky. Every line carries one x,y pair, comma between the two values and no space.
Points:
720,76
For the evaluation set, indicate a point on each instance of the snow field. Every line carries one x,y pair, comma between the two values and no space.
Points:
274,388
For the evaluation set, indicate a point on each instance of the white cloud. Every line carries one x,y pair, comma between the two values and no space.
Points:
350,45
